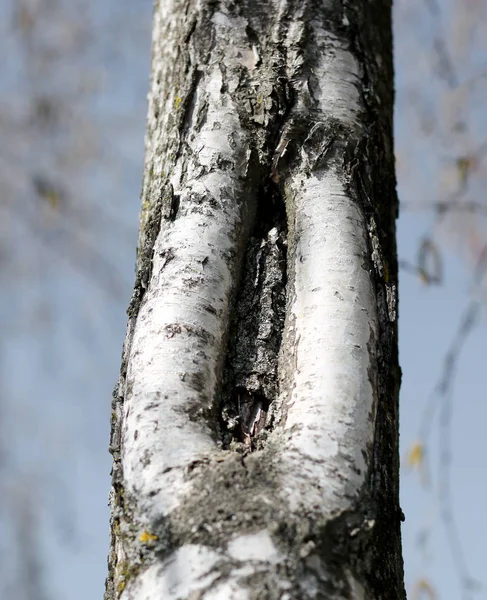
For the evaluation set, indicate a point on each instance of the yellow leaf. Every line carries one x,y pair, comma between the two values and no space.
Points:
146,537
424,589
424,277
465,165
48,192
415,455
53,198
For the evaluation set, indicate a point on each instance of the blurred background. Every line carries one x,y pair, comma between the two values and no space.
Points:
73,88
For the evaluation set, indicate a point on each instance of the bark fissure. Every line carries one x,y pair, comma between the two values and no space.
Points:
251,377
254,425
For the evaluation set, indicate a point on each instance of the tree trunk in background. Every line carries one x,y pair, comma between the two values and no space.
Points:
255,421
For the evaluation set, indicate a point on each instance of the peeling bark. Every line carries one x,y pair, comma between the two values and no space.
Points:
254,424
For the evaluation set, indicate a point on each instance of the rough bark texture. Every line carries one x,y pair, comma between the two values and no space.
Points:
255,421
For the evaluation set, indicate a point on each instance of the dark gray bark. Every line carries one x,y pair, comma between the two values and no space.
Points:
255,421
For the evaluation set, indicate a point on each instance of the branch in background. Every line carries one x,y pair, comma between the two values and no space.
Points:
445,497
446,68
77,215
429,265
70,246
465,166
441,400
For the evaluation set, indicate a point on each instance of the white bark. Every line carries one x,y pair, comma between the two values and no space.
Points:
267,514
180,334
334,324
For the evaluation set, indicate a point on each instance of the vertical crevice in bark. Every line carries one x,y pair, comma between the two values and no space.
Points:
250,382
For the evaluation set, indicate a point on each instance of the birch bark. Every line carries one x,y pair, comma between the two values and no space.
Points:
254,424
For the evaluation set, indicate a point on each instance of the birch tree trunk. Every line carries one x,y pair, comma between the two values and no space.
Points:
255,421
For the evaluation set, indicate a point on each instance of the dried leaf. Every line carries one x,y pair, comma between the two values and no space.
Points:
416,455
424,277
48,192
52,198
424,589
465,165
